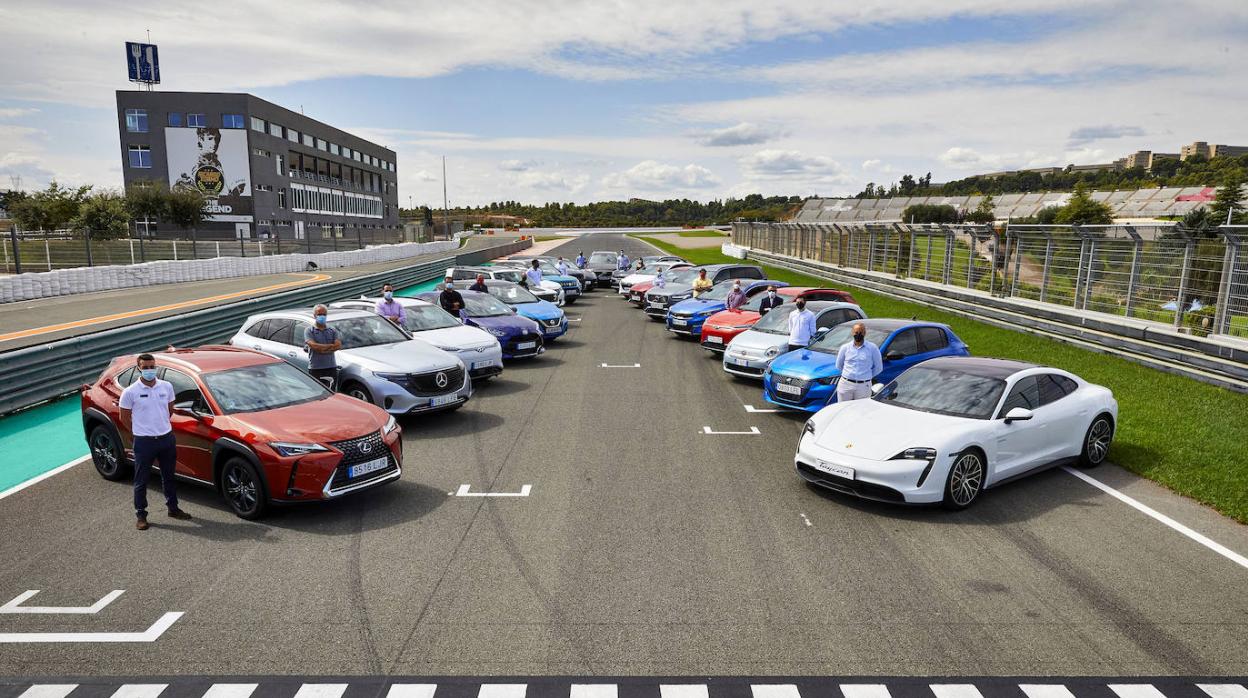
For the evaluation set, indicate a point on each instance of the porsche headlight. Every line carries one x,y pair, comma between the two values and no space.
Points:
288,449
917,453
808,428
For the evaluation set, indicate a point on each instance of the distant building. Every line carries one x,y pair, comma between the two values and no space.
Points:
265,170
1212,151
1144,159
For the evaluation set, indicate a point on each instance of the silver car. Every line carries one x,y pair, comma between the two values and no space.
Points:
378,362
478,349
465,276
751,352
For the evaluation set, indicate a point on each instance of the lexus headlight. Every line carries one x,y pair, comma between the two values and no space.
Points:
918,453
296,449
391,425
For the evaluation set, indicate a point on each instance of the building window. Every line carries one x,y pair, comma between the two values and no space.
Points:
275,129
321,145
260,151
279,163
228,121
292,135
308,140
175,118
281,197
333,149
196,120
140,156
346,152
136,120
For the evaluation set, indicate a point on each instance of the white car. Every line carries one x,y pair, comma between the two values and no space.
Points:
519,266
478,349
948,428
647,274
750,353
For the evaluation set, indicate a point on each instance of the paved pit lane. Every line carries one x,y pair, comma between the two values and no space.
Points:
645,546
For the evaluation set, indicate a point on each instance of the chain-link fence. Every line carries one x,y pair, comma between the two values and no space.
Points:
1160,272
27,251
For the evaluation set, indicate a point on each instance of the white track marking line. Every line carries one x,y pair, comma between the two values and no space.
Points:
1224,690
683,690
15,606
955,690
39,478
1136,690
574,319
321,690
775,690
503,690
594,690
752,432
48,690
1047,690
150,635
1140,506
465,491
231,690
140,690
621,366
751,408
865,690
412,690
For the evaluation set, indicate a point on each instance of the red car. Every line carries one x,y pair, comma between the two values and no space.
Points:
720,328
254,427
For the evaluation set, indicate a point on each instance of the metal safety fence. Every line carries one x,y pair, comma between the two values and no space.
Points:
1163,273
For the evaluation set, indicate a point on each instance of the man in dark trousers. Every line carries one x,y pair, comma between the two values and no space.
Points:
771,300
146,406
450,299
322,342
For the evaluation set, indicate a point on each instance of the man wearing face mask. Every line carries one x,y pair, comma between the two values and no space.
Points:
562,266
771,300
801,326
580,260
389,308
146,406
736,297
859,362
322,341
479,285
450,299
533,276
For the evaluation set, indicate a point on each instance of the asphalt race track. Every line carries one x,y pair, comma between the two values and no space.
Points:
644,547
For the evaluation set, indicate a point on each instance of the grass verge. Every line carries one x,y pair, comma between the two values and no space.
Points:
1186,435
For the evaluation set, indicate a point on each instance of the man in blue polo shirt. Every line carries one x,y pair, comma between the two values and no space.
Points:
146,406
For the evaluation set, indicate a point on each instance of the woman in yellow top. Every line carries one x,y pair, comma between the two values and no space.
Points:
701,284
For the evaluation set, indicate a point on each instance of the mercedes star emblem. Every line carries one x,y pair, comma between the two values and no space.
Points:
440,379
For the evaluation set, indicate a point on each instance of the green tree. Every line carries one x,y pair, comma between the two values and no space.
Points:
1226,202
50,209
103,216
929,213
185,208
1082,209
984,212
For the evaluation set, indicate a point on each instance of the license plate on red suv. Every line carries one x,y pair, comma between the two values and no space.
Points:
371,466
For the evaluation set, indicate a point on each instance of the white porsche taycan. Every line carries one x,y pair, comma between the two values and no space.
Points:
949,428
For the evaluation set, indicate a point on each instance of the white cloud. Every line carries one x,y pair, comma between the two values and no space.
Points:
517,165
792,164
14,112
1088,134
652,176
743,133
423,176
960,158
552,181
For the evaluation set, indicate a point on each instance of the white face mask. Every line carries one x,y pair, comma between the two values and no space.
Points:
736,288
771,294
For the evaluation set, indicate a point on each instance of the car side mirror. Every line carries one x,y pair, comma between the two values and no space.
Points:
876,388
1018,414
894,356
189,408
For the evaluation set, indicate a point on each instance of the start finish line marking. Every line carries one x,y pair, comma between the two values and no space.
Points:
150,635
752,432
15,606
621,365
465,491
751,408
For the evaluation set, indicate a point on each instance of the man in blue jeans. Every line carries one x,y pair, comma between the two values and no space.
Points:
146,406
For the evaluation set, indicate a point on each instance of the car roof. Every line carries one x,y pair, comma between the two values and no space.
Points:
891,324
309,312
981,365
406,301
209,358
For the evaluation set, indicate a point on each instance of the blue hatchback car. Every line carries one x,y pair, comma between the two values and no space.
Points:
686,317
547,315
806,379
519,336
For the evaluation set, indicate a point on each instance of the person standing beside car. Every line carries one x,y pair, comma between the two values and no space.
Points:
322,341
450,299
389,308
146,406
562,266
701,284
859,362
580,260
736,297
801,326
533,276
479,286
622,261
771,300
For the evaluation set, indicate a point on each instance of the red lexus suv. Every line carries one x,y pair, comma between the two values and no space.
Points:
254,427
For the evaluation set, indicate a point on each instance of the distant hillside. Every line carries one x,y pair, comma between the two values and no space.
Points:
639,212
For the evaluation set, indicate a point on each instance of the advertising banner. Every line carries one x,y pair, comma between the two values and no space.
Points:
214,161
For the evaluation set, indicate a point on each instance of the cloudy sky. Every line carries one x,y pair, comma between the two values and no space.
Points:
556,100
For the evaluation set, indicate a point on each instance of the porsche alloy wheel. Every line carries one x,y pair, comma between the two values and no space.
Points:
966,480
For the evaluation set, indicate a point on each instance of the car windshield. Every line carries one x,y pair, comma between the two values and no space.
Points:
263,387
840,335
484,305
756,301
512,295
427,317
718,292
548,268
366,331
512,275
944,391
681,276
776,321
602,258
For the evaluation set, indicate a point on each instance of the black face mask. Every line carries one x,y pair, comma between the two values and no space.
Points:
801,306
860,337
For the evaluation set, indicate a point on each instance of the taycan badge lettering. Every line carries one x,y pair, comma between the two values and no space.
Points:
440,379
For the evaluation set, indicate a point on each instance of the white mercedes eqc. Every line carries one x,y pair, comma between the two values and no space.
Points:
949,428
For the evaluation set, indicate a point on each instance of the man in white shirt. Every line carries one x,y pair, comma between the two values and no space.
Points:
801,325
562,266
859,362
146,406
533,275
